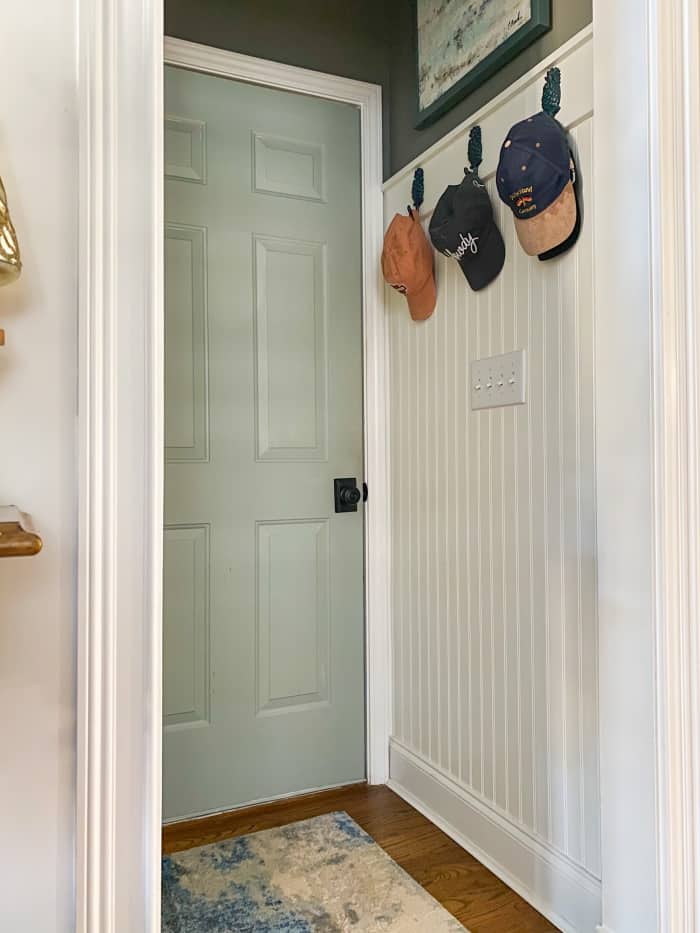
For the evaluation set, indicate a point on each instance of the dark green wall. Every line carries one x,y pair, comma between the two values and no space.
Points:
406,142
370,40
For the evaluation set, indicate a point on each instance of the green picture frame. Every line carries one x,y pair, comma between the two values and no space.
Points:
539,23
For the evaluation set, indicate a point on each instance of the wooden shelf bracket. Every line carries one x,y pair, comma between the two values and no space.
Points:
15,539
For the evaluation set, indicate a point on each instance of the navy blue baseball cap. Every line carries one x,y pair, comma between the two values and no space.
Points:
566,245
534,178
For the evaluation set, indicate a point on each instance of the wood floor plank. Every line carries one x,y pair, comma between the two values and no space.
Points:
473,894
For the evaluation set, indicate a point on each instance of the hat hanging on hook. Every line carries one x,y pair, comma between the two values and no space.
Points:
417,191
474,150
536,175
551,101
463,226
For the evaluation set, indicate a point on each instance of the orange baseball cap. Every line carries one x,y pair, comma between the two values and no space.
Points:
407,264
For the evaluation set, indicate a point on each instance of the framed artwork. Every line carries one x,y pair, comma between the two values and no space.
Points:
460,43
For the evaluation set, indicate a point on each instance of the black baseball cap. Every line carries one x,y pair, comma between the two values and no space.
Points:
463,227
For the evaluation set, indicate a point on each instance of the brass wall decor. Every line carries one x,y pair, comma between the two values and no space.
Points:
15,539
10,259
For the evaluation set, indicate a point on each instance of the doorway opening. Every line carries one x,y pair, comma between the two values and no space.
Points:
270,639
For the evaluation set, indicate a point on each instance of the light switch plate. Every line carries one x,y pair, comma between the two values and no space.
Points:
498,381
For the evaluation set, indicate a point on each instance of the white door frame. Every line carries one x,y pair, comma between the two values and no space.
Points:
647,228
368,99
120,437
647,233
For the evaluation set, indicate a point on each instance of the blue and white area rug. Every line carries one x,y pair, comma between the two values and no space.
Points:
323,875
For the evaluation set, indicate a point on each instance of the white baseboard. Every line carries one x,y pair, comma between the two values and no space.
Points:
603,929
568,895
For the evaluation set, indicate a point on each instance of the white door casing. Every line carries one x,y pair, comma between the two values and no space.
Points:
120,440
647,223
120,422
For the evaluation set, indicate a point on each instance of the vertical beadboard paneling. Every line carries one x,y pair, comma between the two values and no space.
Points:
425,550
512,291
538,385
522,491
587,610
571,557
459,481
551,363
499,686
398,555
473,518
494,629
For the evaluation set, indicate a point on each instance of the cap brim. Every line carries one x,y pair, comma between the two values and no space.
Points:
551,227
570,241
481,269
421,304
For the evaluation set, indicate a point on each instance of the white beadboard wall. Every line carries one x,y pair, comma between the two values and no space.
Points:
494,635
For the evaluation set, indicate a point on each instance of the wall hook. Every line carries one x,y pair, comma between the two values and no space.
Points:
417,191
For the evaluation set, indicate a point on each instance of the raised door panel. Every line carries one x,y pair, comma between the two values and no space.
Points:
290,350
186,624
288,167
293,614
186,344
185,149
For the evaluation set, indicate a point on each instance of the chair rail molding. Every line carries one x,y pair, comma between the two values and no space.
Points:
120,438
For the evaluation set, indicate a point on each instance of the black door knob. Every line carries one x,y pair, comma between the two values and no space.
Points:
347,495
350,496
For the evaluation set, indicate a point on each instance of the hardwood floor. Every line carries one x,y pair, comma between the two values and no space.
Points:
478,899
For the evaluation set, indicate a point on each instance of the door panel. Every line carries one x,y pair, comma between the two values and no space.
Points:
288,167
293,614
290,349
185,147
264,626
186,389
186,630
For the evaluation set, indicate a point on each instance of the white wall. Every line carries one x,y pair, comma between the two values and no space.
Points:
495,641
38,163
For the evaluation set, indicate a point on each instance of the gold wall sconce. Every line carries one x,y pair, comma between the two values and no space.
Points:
10,259
15,539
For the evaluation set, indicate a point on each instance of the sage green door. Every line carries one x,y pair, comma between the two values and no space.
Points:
263,581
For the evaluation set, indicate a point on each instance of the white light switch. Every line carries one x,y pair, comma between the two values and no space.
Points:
498,380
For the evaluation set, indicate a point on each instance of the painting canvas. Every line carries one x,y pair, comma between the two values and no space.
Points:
459,43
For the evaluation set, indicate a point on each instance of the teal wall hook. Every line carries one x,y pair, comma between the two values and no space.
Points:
551,93
417,189
474,149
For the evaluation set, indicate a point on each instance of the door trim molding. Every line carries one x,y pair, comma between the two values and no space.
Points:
648,299
674,64
120,455
120,445
368,99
